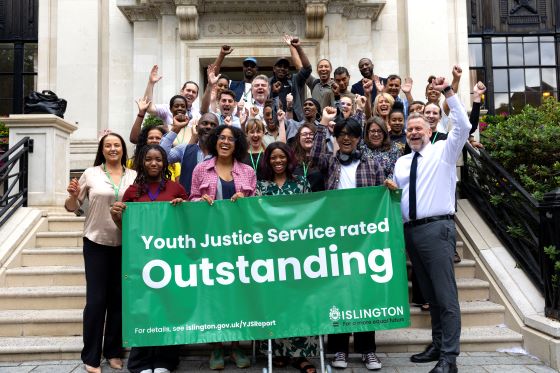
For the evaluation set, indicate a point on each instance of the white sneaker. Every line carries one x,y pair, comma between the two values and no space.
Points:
340,360
147,371
371,361
161,370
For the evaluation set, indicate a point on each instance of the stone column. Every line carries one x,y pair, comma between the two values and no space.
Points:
49,164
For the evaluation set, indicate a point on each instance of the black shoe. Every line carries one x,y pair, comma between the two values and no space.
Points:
429,354
444,367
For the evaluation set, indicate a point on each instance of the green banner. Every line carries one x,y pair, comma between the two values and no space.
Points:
264,267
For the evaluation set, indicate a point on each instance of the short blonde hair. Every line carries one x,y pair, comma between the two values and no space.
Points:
378,97
254,124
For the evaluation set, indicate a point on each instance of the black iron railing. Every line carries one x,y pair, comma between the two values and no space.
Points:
14,165
507,207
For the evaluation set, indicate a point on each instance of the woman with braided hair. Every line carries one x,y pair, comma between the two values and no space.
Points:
152,184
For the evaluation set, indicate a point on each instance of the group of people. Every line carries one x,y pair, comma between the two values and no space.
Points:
263,136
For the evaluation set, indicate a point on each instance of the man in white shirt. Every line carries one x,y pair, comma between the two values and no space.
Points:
427,177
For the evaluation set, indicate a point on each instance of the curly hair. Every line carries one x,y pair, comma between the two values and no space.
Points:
266,170
143,140
100,158
241,146
141,174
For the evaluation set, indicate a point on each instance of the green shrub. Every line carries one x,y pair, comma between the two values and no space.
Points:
527,145
4,132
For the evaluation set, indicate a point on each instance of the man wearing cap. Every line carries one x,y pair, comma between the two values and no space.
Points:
242,88
283,83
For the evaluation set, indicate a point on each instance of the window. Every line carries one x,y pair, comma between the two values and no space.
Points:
524,70
476,62
18,75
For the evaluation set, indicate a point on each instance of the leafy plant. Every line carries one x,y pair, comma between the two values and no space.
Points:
527,145
554,255
151,120
4,131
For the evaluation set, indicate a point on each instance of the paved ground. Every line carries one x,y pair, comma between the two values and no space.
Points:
470,362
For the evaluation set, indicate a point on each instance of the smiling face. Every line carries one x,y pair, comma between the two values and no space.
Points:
153,164
394,87
375,136
346,106
278,161
206,123
268,118
190,92
154,137
225,144
255,135
418,133
324,70
281,70
396,121
432,114
342,80
306,138
383,106
179,106
222,84
366,67
309,111
347,143
259,90
226,103
112,149
416,108
249,70
432,95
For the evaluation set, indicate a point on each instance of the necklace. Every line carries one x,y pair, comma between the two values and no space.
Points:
115,187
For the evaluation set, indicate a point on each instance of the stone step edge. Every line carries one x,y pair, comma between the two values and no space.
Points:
45,270
43,291
70,234
73,315
52,251
21,345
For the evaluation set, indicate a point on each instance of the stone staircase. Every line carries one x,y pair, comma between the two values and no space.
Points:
42,296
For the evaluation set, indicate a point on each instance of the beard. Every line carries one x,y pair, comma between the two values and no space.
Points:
418,147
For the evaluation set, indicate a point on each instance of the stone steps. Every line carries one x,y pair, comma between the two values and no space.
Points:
59,239
46,276
473,339
42,297
68,322
64,223
64,256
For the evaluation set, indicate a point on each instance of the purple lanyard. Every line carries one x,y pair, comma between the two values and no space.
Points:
154,196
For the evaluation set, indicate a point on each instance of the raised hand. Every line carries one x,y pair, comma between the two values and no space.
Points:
295,42
378,84
254,111
368,86
329,113
289,99
439,83
73,188
228,121
143,104
154,76
406,87
479,89
180,121
211,72
226,49
287,39
457,72
280,115
276,87
360,102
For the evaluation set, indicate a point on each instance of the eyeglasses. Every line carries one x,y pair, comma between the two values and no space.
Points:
346,134
308,134
375,132
227,138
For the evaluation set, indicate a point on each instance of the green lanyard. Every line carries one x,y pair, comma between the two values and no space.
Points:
115,188
255,164
435,137
305,168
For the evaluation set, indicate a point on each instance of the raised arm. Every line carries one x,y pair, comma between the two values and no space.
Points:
457,73
281,117
318,154
305,64
212,80
406,87
149,93
368,87
293,52
175,154
224,51
143,105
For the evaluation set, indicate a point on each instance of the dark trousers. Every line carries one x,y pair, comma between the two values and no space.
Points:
417,296
431,248
364,342
152,357
102,314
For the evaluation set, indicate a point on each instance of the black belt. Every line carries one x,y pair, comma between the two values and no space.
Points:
431,219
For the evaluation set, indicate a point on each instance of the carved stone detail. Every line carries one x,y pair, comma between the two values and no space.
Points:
315,14
246,26
188,22
357,9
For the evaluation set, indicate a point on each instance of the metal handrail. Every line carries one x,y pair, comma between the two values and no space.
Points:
14,180
506,206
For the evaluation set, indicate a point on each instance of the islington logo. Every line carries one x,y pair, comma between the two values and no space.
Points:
336,315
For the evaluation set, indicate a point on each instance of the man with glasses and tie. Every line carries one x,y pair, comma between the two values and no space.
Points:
427,177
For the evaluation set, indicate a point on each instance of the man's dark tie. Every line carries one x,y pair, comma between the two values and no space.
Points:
412,188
